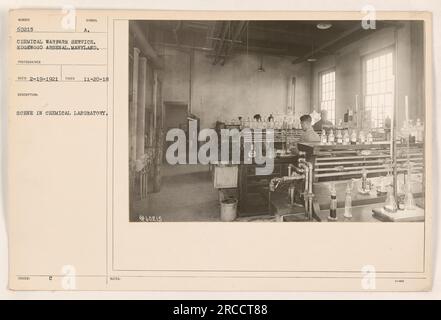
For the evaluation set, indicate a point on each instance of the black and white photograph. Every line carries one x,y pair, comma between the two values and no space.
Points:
240,150
276,121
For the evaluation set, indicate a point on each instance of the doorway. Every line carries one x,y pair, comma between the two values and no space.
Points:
175,117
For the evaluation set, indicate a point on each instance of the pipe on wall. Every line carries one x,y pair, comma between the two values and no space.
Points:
142,43
190,83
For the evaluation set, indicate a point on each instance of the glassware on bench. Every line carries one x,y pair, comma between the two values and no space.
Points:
362,138
364,180
409,201
346,138
339,137
331,137
348,202
333,203
324,138
369,138
391,204
354,137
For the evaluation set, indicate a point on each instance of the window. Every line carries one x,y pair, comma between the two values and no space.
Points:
378,88
327,94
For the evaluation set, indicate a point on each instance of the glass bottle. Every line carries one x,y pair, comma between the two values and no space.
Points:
404,131
333,204
361,137
291,124
354,137
369,138
348,202
340,123
323,138
364,182
331,137
270,118
391,204
339,137
346,138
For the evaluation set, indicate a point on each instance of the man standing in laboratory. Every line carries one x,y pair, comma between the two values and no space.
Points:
323,123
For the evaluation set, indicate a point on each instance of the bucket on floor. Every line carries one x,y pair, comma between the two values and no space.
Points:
228,210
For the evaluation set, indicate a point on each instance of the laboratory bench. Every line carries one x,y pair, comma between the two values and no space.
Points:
364,213
339,161
253,188
335,164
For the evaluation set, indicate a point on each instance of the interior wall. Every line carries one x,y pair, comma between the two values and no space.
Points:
236,88
348,63
176,76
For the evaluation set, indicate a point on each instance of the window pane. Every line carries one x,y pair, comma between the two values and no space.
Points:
381,62
376,77
369,65
381,102
389,72
390,86
327,94
379,87
368,101
375,101
388,101
389,59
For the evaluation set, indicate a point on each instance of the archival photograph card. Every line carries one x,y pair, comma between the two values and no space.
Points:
263,151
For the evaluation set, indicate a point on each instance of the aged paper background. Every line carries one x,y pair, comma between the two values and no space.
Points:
85,214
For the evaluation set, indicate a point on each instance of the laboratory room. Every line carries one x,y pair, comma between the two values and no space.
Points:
278,121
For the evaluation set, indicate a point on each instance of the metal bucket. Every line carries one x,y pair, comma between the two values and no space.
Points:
228,209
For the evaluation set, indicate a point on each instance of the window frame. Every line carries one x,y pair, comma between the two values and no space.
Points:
364,83
331,117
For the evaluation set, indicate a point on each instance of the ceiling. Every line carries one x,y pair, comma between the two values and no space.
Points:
300,40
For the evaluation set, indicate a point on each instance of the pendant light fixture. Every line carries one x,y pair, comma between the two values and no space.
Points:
312,58
261,69
324,25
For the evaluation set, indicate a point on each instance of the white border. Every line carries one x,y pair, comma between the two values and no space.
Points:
256,5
